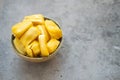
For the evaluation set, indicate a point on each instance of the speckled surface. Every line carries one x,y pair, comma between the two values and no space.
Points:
91,47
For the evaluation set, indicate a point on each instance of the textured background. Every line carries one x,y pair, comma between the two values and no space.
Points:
91,47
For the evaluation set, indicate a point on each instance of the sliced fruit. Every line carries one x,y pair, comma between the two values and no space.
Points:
30,35
44,31
36,19
19,46
52,45
35,48
29,51
21,27
43,46
53,29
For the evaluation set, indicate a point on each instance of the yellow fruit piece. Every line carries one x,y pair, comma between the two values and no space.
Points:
43,30
19,28
52,45
29,51
36,19
35,47
43,46
53,29
19,46
30,35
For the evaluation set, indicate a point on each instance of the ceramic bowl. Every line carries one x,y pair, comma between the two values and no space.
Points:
37,59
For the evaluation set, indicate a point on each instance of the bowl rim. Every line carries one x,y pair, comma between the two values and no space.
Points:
38,58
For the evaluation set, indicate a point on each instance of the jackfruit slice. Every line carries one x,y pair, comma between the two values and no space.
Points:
43,46
35,48
21,27
53,29
29,51
36,19
52,45
19,46
30,35
44,31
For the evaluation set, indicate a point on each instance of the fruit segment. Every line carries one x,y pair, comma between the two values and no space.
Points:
29,36
43,46
43,30
36,19
35,48
53,29
19,46
19,28
52,45
29,51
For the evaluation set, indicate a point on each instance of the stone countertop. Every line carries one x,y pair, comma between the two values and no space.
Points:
91,47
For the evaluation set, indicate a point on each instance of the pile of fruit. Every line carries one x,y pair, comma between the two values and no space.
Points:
36,36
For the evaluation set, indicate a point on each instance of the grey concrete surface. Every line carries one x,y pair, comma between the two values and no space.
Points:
91,47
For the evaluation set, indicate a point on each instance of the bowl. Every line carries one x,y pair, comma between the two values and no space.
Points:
37,59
